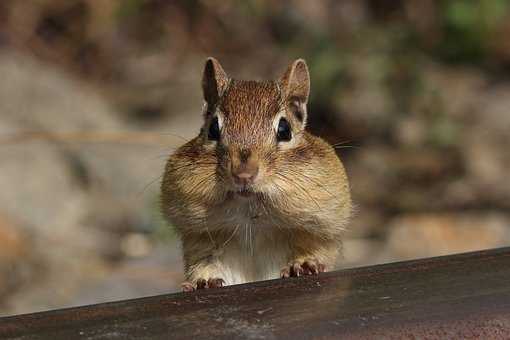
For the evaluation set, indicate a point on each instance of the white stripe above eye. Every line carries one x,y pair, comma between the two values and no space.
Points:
276,120
220,119
212,143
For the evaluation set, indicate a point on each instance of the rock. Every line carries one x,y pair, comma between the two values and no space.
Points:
485,147
157,272
423,235
45,184
13,243
15,257
385,178
360,252
84,205
37,97
136,245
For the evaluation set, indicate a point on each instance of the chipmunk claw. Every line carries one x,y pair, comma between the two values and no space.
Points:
187,287
202,284
307,267
215,282
313,267
285,273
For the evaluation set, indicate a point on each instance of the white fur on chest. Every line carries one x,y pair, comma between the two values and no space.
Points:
252,256
257,250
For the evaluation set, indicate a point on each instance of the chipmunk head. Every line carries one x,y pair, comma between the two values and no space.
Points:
251,126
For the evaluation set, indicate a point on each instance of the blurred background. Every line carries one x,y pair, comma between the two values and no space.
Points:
95,94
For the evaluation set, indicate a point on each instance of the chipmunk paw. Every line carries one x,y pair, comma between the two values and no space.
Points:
215,282
202,284
299,268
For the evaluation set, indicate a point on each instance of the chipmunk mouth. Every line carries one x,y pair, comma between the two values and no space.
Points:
245,192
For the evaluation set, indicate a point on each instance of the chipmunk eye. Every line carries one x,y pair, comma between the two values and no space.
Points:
214,130
283,133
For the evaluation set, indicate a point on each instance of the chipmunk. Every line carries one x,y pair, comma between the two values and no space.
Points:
255,196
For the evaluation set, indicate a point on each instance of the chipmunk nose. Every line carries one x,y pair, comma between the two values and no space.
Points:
245,175
244,167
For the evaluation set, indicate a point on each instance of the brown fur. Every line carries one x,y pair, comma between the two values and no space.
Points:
300,202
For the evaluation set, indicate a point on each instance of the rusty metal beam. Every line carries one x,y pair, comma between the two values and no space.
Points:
459,296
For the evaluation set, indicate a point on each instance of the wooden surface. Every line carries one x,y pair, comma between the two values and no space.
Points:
460,296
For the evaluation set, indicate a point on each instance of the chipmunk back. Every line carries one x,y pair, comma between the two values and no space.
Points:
255,196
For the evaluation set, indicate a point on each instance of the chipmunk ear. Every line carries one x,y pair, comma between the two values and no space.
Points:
295,84
214,81
296,81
